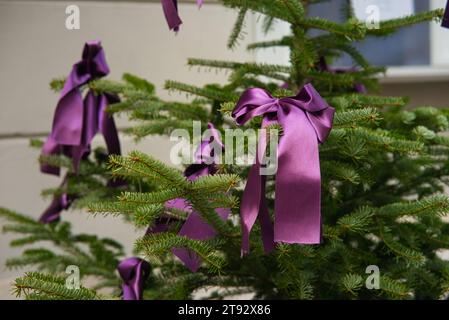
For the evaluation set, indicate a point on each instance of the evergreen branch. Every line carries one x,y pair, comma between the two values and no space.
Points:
151,198
237,29
357,222
213,94
17,217
146,215
390,26
351,118
215,183
339,171
411,257
284,42
394,288
353,29
352,283
363,101
383,140
142,164
139,83
268,70
161,243
437,205
159,127
34,283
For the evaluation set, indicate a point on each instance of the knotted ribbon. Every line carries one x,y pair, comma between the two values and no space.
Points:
445,20
195,227
170,8
306,120
134,272
76,121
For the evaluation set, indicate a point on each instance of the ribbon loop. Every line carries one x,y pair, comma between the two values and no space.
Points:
306,120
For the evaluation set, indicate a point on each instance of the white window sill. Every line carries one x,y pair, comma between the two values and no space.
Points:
415,74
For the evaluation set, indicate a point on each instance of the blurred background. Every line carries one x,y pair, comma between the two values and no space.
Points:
35,47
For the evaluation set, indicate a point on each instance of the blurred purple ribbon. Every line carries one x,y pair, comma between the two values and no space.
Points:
170,8
195,227
134,272
323,66
306,120
76,121
445,20
59,203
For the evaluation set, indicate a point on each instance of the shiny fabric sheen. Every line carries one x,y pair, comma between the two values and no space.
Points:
306,120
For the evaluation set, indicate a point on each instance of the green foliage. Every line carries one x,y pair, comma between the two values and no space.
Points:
93,256
38,286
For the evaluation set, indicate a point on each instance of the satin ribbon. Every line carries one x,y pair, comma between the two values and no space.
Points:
170,8
323,66
195,227
306,120
76,121
59,203
445,20
134,272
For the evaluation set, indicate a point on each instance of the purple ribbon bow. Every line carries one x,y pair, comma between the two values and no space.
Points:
59,203
76,122
195,227
170,8
445,20
306,120
134,272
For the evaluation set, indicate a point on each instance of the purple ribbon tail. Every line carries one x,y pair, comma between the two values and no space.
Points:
254,205
107,124
445,20
170,8
134,272
198,229
59,203
53,212
298,182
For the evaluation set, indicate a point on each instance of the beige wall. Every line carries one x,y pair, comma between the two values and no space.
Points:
35,47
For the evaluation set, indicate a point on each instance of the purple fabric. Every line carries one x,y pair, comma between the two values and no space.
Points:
306,120
194,227
59,203
170,8
134,272
76,121
445,20
358,87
